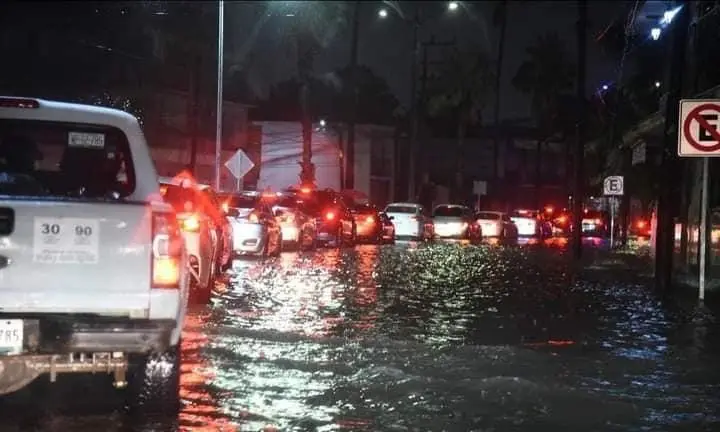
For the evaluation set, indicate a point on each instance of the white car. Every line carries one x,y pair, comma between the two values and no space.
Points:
410,221
496,224
198,231
93,272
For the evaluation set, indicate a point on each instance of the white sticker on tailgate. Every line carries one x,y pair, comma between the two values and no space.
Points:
66,240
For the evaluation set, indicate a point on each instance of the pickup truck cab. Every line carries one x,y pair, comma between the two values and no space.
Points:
93,269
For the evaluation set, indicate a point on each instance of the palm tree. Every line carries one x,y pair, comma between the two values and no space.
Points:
466,86
544,76
314,25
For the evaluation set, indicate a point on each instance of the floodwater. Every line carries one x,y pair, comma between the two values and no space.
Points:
440,337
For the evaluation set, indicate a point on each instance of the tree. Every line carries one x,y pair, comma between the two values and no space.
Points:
376,103
466,85
545,76
314,25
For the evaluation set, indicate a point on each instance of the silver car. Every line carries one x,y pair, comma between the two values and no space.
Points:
298,228
254,228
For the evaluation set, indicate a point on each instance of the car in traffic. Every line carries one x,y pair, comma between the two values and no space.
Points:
334,222
388,229
640,227
94,271
217,212
453,221
496,224
198,230
255,232
410,221
297,226
530,223
370,228
595,223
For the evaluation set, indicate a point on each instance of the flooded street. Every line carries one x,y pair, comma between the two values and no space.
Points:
432,338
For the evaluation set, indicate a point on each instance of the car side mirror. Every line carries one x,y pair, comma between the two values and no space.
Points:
391,217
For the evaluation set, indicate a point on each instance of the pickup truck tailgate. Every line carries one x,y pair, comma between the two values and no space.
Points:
75,257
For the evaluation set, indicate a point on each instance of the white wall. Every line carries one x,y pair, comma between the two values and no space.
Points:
282,152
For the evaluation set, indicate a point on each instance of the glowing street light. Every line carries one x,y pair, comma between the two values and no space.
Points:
383,13
605,87
323,123
657,84
453,6
655,33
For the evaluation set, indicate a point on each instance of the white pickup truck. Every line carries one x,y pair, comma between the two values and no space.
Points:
93,272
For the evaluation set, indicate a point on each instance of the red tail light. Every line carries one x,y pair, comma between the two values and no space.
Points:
13,102
253,218
562,220
370,219
167,250
598,222
190,223
330,215
641,224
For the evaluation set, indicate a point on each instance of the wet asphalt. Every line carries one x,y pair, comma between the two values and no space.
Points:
437,337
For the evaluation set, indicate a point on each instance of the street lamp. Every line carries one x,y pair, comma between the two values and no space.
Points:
655,33
382,13
453,6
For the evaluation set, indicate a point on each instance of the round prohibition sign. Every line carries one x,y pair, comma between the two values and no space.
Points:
694,115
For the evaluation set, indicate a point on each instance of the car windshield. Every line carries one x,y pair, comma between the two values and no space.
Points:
401,209
39,158
287,201
364,208
448,211
488,216
243,201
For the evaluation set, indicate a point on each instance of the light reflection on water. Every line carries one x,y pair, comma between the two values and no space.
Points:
439,337
406,337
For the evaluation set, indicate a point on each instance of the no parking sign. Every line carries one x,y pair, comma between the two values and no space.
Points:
698,135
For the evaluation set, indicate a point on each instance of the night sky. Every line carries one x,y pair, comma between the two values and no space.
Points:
386,44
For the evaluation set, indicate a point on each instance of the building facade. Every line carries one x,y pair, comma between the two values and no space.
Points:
374,170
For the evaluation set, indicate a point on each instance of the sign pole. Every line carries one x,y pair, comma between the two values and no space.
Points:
612,221
699,137
703,228
238,179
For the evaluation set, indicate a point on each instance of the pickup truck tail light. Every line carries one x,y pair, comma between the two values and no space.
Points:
191,223
370,219
167,251
330,215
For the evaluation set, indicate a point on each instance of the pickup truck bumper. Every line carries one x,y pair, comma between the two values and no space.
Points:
73,333
73,343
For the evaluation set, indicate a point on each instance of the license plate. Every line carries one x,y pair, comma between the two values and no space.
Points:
11,336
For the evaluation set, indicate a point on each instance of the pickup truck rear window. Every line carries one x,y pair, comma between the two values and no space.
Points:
54,159
449,211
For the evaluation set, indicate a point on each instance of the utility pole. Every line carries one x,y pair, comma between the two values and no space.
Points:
414,112
194,112
349,181
502,16
304,65
668,157
578,196
424,78
219,108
